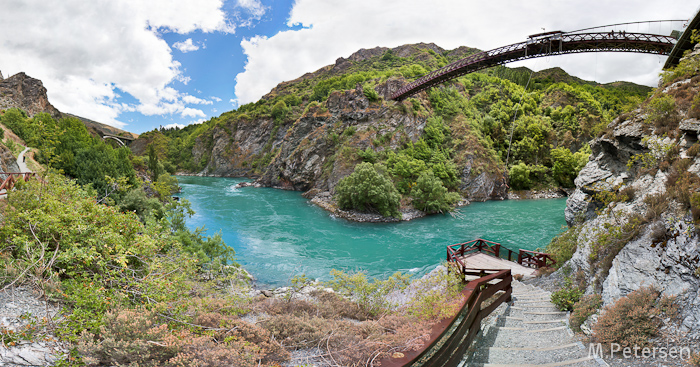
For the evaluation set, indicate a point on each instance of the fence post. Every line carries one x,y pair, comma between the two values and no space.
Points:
497,249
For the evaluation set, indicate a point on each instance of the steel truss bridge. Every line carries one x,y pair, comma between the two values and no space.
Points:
560,43
545,44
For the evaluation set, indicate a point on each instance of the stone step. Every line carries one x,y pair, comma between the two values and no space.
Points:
513,337
524,356
529,308
536,314
578,362
529,324
532,296
533,302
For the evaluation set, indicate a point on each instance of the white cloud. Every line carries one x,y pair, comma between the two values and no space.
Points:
217,99
254,9
194,100
174,125
333,30
85,51
186,46
192,112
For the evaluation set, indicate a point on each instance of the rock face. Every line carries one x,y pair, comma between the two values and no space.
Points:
305,154
607,167
26,93
8,163
660,250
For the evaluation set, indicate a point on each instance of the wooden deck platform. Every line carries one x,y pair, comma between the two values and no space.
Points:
483,261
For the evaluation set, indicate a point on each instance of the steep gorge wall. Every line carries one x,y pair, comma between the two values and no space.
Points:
650,238
313,152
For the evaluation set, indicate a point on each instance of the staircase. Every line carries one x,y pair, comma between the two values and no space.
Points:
531,332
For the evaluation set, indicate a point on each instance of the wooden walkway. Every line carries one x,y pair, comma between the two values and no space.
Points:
480,260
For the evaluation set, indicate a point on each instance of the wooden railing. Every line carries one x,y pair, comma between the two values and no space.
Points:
535,259
450,338
523,257
13,177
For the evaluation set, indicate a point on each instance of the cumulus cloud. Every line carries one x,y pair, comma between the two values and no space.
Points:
334,28
173,126
194,100
186,46
87,52
254,7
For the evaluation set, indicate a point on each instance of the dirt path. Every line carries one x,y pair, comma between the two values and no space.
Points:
21,161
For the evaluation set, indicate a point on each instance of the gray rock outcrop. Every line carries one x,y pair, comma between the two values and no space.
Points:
8,163
662,248
26,93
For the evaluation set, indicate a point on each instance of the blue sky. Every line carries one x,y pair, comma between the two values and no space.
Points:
140,64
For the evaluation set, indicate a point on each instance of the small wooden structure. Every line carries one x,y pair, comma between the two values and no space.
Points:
12,178
457,255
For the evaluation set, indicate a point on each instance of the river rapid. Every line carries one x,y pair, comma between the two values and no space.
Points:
278,234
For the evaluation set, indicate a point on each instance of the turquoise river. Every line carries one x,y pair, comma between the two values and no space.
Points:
278,234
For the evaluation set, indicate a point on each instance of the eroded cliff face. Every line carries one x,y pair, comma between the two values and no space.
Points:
26,93
313,152
630,209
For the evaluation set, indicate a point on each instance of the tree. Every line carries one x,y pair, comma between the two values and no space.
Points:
368,188
153,163
430,196
279,110
520,176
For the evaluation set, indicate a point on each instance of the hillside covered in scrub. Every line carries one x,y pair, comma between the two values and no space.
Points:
428,152
634,238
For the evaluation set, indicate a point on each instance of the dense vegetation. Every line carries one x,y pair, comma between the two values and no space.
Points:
140,288
470,119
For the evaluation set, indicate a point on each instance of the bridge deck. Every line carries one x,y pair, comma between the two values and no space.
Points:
483,261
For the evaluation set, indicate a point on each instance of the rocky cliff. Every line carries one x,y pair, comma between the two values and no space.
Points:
635,211
313,150
8,163
26,93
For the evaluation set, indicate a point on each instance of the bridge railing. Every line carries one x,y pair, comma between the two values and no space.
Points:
532,259
450,338
12,177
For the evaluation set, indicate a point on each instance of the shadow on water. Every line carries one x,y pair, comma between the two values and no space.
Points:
277,233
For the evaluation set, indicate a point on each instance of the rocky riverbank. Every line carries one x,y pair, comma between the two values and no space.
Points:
539,194
26,321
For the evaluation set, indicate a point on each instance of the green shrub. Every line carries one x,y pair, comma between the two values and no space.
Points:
279,110
563,246
369,189
584,308
430,196
370,93
437,296
631,321
369,295
566,297
567,165
367,155
520,176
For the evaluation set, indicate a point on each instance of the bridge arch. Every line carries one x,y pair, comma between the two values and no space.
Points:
115,138
540,45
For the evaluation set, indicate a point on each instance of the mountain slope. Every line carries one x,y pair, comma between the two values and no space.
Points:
308,133
635,213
